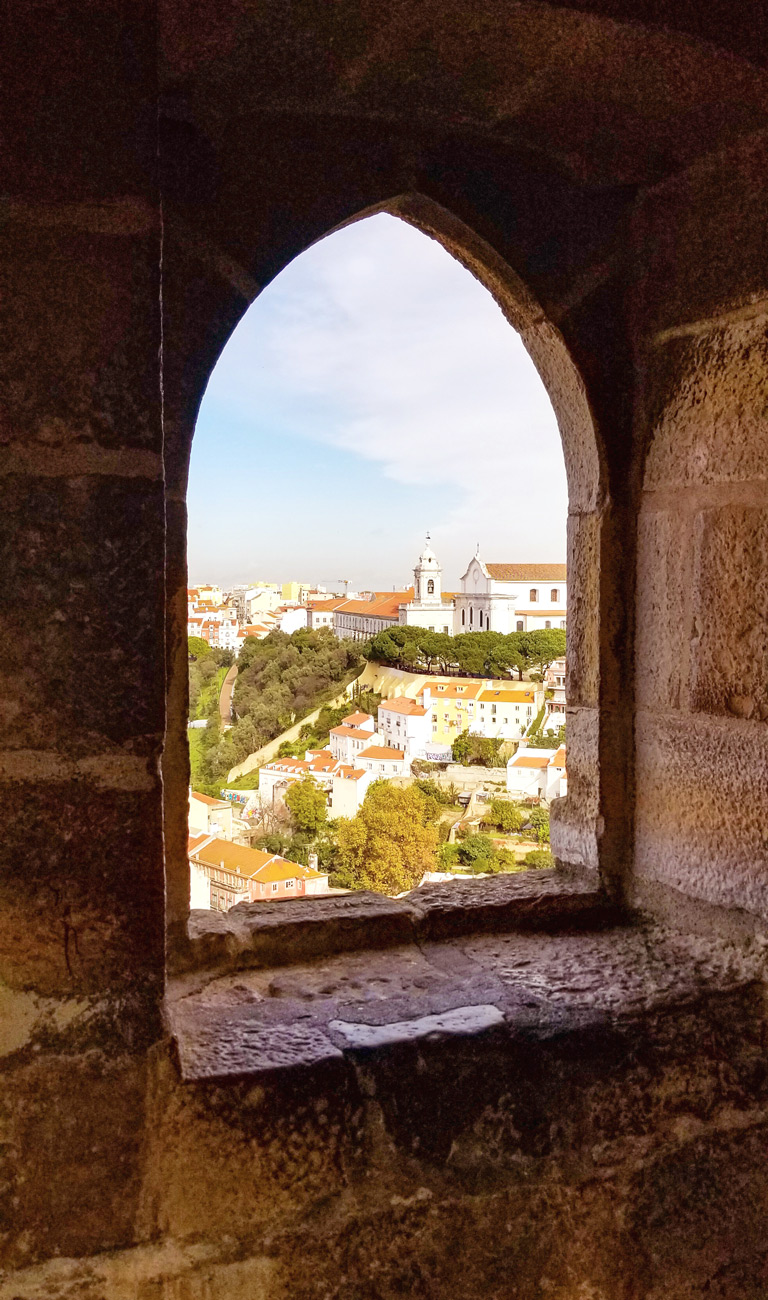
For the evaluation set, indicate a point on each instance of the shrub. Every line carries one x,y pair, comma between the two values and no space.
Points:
539,858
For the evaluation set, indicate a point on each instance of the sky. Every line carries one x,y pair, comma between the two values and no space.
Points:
371,393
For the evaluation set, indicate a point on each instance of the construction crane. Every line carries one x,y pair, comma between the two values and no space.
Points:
333,582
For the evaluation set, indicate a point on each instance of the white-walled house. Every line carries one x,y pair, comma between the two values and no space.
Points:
353,734
537,773
384,762
210,816
350,785
407,724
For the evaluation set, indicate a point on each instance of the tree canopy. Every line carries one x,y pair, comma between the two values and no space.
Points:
307,804
391,841
474,654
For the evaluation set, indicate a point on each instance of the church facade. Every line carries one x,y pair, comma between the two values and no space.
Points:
494,597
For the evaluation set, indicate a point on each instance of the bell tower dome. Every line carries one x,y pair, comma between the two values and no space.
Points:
428,578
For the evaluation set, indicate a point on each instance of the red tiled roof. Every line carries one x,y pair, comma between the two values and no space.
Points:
381,751
212,803
354,732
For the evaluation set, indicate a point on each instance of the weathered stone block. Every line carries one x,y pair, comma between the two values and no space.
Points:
584,614
72,1134
728,649
81,882
699,820
664,617
82,620
706,409
81,362
701,238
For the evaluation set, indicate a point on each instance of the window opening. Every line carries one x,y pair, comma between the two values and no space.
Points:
301,383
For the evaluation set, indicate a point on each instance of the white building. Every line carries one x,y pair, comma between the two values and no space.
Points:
355,733
350,785
494,597
359,620
383,762
511,598
554,679
210,816
537,773
407,724
428,609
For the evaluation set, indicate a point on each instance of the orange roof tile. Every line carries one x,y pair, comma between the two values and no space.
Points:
528,572
350,773
529,760
212,803
355,719
467,690
381,751
402,704
558,758
521,695
354,732
561,612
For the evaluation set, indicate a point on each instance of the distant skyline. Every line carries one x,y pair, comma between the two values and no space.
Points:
373,392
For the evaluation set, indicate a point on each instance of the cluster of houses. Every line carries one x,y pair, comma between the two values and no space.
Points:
224,872
494,597
362,750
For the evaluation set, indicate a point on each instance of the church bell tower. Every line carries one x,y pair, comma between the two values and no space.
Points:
427,578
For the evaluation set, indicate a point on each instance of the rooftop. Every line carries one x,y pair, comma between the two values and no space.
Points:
382,751
402,704
528,572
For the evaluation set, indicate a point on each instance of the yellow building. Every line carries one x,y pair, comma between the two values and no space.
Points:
295,592
465,704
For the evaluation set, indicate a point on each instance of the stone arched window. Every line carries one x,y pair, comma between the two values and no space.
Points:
519,627
554,596
547,623
533,594
431,587
463,617
471,615
481,618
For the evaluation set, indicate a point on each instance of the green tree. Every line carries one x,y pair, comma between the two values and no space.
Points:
197,648
539,819
505,815
307,805
462,748
545,645
391,842
539,858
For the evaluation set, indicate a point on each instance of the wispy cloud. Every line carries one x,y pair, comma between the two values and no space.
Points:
377,344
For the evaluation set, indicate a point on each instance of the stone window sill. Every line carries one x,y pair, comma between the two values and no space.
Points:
287,991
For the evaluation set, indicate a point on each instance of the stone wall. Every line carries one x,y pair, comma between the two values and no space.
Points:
604,177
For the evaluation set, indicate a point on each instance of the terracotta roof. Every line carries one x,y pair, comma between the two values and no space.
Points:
402,704
530,760
212,803
354,732
194,841
381,751
384,606
454,690
510,696
558,758
350,773
355,719
528,572
322,605
252,862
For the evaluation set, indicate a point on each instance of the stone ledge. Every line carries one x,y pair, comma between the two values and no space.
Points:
285,933
485,994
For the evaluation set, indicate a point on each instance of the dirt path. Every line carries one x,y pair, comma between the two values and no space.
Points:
225,697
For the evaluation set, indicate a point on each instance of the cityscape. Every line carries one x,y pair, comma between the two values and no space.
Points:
362,739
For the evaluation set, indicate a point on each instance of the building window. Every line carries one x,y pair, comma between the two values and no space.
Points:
471,615
445,629
289,884
481,618
554,596
562,623
275,887
431,587
533,595
547,623
519,625
431,629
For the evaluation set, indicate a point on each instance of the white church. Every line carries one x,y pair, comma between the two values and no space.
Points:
493,598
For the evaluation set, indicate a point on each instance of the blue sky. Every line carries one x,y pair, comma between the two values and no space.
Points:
373,391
